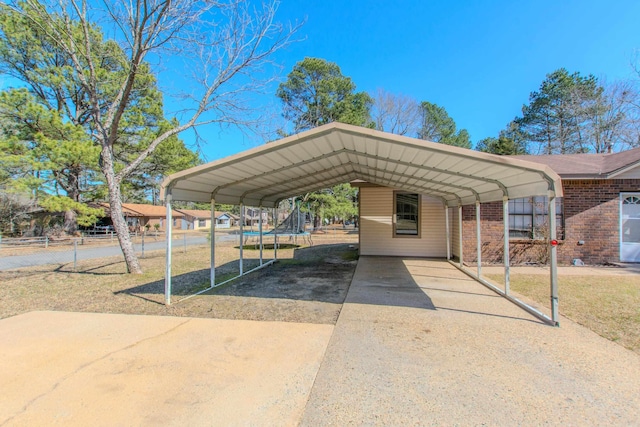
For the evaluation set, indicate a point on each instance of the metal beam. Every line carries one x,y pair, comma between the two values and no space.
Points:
401,175
241,237
497,183
478,239
505,220
212,263
460,234
553,259
373,179
367,156
447,230
275,233
168,233
515,301
260,230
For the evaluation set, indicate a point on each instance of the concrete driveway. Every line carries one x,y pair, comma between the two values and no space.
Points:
105,369
416,343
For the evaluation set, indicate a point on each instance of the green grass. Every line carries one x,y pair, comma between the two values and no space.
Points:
351,255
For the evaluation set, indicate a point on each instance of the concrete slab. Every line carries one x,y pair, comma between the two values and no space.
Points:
420,343
103,369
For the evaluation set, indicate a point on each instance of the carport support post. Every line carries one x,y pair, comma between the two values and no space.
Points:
167,274
479,242
275,233
505,220
460,233
212,274
241,234
553,258
447,231
260,229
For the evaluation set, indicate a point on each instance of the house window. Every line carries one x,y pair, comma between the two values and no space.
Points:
406,214
202,223
529,218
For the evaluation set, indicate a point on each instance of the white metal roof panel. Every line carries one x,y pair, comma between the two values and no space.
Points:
337,153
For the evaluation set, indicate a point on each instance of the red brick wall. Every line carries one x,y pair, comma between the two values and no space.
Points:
591,214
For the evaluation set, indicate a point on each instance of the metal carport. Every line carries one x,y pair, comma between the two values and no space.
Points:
338,153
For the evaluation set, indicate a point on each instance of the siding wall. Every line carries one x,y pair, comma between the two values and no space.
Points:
376,228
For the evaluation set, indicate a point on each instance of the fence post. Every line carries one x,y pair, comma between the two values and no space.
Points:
184,239
46,242
112,236
82,238
75,254
0,240
142,234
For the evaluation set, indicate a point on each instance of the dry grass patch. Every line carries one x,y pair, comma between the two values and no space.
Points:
103,286
608,305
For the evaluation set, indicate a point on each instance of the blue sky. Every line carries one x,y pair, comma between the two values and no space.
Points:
479,60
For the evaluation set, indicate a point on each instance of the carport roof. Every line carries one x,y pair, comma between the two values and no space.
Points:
338,153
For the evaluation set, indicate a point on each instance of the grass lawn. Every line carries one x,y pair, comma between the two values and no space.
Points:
608,304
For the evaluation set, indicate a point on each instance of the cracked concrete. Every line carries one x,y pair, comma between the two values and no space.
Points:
103,369
417,343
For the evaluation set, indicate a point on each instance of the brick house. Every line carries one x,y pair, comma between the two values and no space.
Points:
598,218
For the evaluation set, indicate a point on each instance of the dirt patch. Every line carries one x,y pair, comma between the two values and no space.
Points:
307,285
310,287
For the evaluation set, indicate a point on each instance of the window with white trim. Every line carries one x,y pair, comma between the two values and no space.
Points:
529,218
406,214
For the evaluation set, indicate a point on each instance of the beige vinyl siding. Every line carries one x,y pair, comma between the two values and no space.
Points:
196,224
455,237
376,228
633,173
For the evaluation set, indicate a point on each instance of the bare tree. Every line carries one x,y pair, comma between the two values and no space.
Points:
612,119
397,114
227,44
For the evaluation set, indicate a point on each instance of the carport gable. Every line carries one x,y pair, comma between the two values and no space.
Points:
338,153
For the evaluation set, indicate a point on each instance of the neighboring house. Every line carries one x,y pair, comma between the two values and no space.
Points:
252,217
140,216
598,218
201,219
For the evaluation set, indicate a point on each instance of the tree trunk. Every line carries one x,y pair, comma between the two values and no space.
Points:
72,187
117,217
70,222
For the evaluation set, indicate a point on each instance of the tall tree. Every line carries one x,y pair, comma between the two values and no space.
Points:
509,142
55,150
225,41
316,93
397,114
553,121
438,126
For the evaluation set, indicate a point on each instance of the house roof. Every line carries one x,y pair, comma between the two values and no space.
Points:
588,165
140,210
149,210
336,153
201,214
